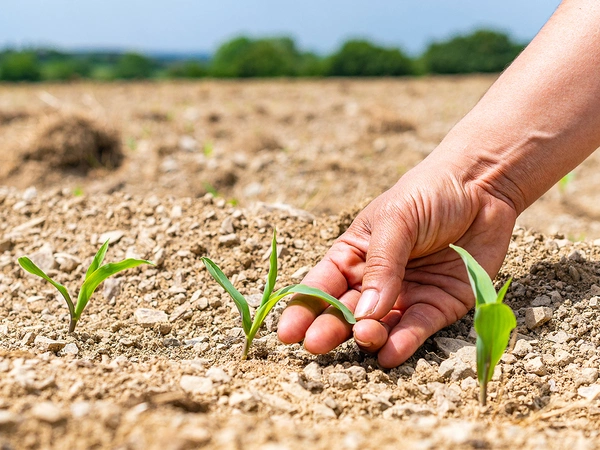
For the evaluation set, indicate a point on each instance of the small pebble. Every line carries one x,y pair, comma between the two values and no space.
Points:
340,380
47,412
535,317
535,366
196,385
149,317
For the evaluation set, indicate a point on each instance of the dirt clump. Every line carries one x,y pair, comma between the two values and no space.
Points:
75,141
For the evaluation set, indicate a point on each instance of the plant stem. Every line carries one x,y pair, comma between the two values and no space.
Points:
483,394
72,324
246,348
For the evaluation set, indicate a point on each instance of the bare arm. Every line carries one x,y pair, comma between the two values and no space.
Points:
542,116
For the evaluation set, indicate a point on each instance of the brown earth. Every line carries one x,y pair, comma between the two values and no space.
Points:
174,379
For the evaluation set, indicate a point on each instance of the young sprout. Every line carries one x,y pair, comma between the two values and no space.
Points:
564,182
270,298
493,322
95,275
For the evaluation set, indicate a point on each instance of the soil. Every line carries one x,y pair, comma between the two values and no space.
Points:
155,360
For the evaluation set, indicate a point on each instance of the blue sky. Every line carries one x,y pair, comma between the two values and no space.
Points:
317,25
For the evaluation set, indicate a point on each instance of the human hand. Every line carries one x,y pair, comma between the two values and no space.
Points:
394,269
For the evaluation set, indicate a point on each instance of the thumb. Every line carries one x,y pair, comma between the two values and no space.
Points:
390,246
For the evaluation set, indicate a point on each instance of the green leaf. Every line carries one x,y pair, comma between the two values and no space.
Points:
502,291
493,324
30,267
272,277
97,262
261,313
98,276
238,299
480,280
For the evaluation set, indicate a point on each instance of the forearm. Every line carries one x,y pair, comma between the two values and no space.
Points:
542,116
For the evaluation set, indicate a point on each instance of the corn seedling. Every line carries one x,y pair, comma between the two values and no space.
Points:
493,322
95,275
564,182
270,298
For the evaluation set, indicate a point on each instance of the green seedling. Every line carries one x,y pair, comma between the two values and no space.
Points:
494,320
270,298
564,182
95,275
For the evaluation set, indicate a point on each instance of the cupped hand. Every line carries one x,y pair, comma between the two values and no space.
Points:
394,269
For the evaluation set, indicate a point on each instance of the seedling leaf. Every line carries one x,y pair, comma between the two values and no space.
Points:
97,262
238,299
493,324
502,291
494,320
98,276
272,277
480,280
30,267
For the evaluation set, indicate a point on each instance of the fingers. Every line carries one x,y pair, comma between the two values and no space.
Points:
330,329
302,310
387,256
419,322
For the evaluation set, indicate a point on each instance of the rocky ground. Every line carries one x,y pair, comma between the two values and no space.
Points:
155,360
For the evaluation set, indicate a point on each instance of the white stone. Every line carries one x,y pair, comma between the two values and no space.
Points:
196,385
323,412
218,375
149,317
357,373
29,194
313,372
299,274
587,376
47,412
70,349
111,236
340,380
589,392
522,348
536,366
48,344
243,400
8,418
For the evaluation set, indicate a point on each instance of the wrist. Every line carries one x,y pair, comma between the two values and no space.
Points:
500,165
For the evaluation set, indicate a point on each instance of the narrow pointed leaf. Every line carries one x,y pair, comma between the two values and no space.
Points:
493,324
272,277
502,291
98,276
261,313
97,262
30,267
480,280
238,299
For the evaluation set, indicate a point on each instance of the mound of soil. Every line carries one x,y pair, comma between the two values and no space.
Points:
74,141
155,360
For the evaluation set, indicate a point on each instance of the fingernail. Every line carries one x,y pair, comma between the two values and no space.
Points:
363,344
367,303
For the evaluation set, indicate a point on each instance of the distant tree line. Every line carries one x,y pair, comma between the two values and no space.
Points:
242,57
